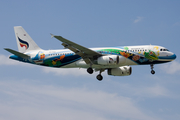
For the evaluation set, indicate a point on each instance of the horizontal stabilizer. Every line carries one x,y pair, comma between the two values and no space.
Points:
17,53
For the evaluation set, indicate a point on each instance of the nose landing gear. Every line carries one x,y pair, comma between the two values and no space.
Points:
152,71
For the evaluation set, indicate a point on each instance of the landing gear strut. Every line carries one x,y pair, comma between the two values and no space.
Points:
152,71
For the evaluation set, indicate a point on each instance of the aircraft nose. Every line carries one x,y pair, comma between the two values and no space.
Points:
174,56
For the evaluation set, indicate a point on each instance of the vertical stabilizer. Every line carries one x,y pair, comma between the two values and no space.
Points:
24,42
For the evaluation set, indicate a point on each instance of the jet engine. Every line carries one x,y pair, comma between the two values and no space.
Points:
108,60
121,71
111,60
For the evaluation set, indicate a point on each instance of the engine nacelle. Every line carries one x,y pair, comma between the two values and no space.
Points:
121,71
111,60
108,60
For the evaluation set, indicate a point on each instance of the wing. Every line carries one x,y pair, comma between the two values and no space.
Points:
86,53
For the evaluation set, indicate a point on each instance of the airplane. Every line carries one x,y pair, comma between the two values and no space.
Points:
116,60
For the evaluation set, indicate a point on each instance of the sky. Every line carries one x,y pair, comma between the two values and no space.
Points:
34,92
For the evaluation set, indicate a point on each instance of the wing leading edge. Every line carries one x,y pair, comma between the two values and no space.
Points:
86,53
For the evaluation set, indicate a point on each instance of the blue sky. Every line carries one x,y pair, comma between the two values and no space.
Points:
35,92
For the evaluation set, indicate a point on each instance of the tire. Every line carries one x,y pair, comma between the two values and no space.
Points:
99,77
152,72
90,70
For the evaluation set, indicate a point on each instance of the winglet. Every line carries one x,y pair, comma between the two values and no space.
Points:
52,35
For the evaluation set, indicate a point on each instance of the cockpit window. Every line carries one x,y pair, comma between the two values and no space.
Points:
164,50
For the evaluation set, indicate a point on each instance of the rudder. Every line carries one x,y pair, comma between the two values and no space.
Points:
24,42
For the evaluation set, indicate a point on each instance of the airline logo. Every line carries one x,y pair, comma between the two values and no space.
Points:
110,59
23,43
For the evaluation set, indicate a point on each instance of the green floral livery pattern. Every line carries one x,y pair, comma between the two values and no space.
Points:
150,55
144,58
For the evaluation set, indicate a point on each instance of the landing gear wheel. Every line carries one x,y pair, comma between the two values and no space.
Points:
152,72
99,77
90,70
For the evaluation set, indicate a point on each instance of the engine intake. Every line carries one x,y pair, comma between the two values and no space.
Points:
121,71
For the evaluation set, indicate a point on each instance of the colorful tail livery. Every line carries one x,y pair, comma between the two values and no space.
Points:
116,60
24,41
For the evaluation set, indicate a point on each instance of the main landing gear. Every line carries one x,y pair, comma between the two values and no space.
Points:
152,71
99,76
90,70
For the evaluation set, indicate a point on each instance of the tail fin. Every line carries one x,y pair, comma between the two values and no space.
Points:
24,42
